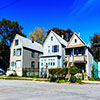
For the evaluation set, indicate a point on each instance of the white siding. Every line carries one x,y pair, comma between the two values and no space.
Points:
73,41
50,43
89,64
14,58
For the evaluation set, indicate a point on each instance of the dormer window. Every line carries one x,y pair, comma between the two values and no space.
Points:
16,42
51,38
75,40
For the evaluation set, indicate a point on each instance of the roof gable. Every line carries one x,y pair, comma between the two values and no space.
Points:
75,41
60,40
28,44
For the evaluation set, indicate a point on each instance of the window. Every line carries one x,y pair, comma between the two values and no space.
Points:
51,38
48,50
16,42
18,63
18,53
55,48
53,62
33,54
41,62
75,40
14,52
76,51
32,64
49,62
12,64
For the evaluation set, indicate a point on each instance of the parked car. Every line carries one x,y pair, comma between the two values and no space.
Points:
2,72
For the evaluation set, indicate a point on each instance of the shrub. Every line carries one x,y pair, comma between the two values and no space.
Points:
73,70
13,74
97,79
92,79
59,72
79,80
72,79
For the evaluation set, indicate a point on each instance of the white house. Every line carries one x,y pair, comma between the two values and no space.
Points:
79,54
24,55
53,52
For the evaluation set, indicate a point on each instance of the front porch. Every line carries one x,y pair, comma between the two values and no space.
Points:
75,55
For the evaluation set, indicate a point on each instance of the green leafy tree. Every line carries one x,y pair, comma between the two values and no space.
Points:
67,34
73,70
95,46
38,35
8,30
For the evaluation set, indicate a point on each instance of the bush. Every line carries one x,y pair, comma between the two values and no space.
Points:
61,81
13,74
57,73
72,79
79,80
73,70
92,79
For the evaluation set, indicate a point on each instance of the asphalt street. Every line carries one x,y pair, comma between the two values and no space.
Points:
33,90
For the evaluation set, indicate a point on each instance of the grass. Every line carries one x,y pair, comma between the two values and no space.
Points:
36,79
23,78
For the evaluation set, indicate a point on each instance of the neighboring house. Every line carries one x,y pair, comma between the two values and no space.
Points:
99,69
24,55
79,54
53,52
95,69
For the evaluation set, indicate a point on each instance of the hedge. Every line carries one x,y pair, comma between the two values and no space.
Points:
59,72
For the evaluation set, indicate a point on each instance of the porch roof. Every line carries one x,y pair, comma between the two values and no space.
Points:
77,45
45,56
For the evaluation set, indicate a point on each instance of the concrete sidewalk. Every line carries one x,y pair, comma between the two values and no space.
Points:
91,82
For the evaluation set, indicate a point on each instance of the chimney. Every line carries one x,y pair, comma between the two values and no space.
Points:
62,36
32,40
79,34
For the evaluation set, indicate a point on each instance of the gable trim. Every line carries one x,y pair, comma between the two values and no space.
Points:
78,37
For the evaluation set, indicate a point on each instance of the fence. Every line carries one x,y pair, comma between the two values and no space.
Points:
30,71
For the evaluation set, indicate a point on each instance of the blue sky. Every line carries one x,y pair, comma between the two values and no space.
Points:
78,15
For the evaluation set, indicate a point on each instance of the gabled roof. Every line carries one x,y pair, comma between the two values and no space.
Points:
28,44
78,45
61,40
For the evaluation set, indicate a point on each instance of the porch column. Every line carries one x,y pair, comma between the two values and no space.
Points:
73,56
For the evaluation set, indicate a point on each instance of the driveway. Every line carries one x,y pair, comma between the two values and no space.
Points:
33,90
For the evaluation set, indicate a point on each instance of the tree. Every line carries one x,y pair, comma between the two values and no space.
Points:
8,30
38,35
67,34
95,46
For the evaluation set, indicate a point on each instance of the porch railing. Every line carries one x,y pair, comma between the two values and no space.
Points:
78,58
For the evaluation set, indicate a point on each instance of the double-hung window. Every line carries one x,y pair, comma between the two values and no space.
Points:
55,48
18,52
33,54
14,52
48,49
16,42
33,64
41,62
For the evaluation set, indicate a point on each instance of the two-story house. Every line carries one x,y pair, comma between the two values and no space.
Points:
53,52
24,56
79,54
